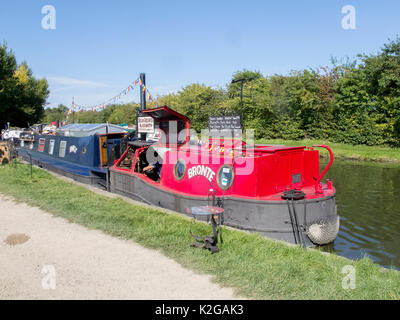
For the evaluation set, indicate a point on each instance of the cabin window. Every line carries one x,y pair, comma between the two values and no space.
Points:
174,132
181,132
179,169
51,146
225,177
63,147
296,178
41,144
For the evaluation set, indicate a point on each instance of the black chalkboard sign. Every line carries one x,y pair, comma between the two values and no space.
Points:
224,123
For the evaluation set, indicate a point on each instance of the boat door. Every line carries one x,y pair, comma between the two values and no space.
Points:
113,149
103,151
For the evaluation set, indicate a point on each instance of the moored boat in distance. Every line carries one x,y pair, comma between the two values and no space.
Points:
273,190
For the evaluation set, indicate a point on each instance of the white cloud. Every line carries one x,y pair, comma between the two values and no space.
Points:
70,82
62,89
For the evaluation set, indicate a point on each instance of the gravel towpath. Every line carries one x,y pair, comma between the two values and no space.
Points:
46,257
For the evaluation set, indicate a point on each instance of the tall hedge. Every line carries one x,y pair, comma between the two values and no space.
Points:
356,102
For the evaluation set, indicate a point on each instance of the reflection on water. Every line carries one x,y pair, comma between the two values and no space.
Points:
368,200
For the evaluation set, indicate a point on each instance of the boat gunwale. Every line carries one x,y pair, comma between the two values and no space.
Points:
164,189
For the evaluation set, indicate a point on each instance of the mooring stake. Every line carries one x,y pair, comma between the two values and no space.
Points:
30,157
14,155
108,179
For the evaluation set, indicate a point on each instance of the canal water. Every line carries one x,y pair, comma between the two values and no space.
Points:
368,202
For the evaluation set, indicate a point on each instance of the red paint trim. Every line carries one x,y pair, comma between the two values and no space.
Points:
120,159
310,195
318,188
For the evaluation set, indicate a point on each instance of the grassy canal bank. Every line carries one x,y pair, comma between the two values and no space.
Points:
345,151
256,267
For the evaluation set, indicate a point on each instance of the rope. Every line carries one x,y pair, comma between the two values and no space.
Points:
290,196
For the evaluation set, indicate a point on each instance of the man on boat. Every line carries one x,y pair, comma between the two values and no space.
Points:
153,171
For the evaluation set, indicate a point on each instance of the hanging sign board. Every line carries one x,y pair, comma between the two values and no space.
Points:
225,122
145,125
225,126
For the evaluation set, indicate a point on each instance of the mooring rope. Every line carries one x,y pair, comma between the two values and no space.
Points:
290,196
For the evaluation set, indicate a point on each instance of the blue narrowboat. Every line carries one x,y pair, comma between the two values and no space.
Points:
82,152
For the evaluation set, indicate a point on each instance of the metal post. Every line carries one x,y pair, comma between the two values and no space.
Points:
137,125
142,100
241,102
30,157
108,179
73,111
242,80
143,91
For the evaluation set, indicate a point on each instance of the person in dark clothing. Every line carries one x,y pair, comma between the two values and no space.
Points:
155,167
153,170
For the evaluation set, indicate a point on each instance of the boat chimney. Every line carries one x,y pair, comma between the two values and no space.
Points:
142,104
142,91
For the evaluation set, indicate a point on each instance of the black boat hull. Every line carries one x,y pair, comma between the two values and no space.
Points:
96,179
273,219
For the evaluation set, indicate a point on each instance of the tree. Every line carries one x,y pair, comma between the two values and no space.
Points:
55,114
22,97
123,114
115,113
382,72
197,102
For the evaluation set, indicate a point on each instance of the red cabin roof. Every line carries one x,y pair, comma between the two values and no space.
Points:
165,114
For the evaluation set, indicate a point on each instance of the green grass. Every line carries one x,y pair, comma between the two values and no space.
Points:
254,266
345,151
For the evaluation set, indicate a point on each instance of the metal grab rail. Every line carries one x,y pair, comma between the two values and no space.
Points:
318,188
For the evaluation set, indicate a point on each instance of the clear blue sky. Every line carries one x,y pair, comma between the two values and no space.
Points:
99,47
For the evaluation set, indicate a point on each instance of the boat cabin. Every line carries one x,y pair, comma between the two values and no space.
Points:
228,166
253,183
147,157
81,151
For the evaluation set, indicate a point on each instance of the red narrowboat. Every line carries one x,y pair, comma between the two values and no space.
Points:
273,190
